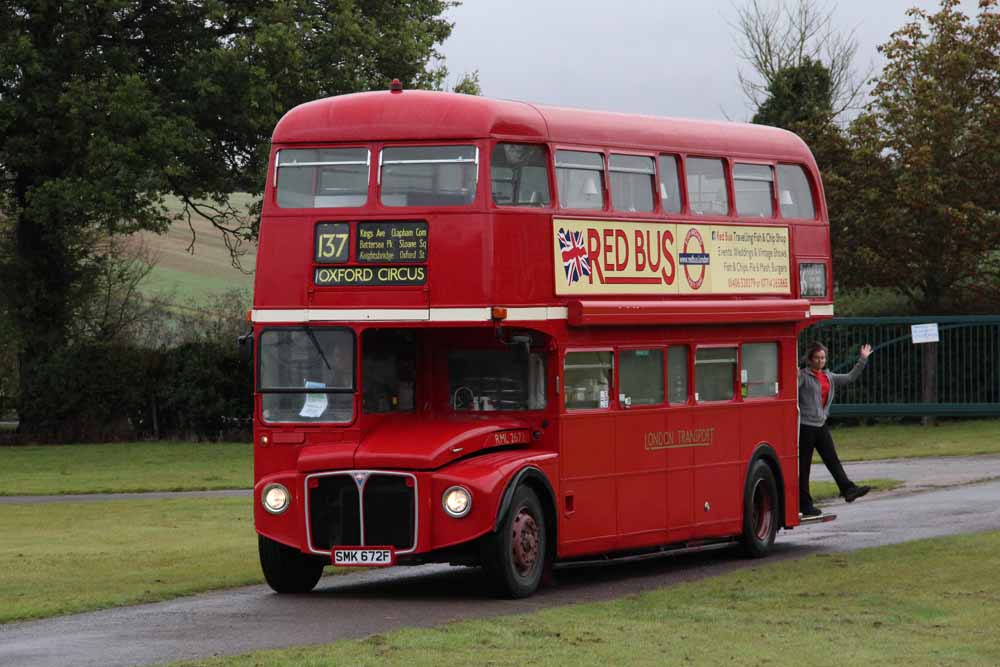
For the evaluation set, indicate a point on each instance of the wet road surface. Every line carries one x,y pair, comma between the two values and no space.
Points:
360,604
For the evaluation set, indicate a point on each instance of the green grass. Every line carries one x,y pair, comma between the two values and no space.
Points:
184,286
125,467
70,557
933,602
827,490
890,441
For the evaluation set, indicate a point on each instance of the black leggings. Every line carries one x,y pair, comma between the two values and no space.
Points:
818,438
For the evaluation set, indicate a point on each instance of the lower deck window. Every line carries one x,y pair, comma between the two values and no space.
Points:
388,370
306,374
714,373
588,379
641,376
759,375
487,380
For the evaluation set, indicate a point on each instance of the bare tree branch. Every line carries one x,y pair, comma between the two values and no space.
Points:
776,35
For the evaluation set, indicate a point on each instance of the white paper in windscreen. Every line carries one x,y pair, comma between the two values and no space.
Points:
315,404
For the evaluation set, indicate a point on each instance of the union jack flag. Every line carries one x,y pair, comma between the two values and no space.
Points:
576,261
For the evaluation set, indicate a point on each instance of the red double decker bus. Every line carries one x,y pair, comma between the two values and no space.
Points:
489,332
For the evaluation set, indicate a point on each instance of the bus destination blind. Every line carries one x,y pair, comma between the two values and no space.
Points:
388,244
396,242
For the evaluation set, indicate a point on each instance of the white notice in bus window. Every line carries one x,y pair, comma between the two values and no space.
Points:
315,404
924,333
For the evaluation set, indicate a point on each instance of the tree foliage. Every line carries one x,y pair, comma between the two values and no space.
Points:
108,105
925,216
798,94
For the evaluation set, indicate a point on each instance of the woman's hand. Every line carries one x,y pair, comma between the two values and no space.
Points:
866,351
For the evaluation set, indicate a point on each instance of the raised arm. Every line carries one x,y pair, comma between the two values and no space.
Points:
841,379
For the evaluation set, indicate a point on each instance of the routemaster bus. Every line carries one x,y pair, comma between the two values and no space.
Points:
501,334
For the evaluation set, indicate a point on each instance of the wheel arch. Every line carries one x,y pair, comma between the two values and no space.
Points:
537,480
766,453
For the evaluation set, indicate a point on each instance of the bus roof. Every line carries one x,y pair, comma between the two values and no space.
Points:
418,115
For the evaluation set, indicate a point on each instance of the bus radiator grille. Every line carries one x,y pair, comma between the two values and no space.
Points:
389,512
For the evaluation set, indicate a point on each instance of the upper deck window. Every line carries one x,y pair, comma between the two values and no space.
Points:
520,175
754,186
670,184
581,179
322,178
795,195
632,183
429,175
706,186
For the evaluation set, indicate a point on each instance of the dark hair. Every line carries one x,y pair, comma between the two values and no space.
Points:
813,348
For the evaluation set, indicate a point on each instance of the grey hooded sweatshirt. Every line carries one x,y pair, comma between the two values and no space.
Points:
812,412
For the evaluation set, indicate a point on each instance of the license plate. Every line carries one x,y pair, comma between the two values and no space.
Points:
363,557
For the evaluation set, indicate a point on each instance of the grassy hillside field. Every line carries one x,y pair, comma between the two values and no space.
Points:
183,276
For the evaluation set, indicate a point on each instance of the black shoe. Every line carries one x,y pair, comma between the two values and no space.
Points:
811,510
855,492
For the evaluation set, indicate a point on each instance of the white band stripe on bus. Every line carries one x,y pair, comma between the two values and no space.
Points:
534,314
404,314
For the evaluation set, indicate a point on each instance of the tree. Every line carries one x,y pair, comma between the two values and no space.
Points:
469,84
927,154
108,105
782,37
796,95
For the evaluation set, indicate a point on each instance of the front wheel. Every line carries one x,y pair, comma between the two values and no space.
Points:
288,570
514,556
760,511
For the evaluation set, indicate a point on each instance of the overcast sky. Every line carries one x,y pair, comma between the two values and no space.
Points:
667,58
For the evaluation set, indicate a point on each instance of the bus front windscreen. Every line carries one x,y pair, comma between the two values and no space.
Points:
307,375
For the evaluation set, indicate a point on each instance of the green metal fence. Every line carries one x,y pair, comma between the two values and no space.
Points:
957,376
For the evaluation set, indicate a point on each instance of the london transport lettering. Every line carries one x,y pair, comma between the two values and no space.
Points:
682,437
610,257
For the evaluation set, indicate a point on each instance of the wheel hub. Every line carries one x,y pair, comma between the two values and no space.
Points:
762,514
524,542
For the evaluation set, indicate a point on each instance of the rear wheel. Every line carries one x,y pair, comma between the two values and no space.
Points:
760,511
514,556
288,570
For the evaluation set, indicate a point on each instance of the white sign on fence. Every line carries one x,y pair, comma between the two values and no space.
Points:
924,333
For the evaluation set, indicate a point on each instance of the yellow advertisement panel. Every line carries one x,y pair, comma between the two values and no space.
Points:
614,257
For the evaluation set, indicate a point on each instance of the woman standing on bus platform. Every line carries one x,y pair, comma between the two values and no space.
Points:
816,387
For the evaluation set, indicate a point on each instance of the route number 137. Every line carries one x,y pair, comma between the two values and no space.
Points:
332,242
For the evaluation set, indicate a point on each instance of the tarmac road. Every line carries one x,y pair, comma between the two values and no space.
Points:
361,604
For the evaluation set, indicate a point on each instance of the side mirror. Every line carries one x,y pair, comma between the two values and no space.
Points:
244,344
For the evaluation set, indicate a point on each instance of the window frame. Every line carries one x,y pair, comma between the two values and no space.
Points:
809,182
778,347
375,200
549,170
370,148
663,375
775,204
605,183
656,210
736,397
727,177
681,184
562,386
259,392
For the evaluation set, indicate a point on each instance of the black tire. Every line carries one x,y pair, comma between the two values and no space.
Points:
288,570
515,570
761,514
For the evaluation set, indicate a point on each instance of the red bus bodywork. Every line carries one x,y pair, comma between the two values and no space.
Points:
613,478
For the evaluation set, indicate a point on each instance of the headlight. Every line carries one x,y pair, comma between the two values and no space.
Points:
812,280
275,498
457,501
